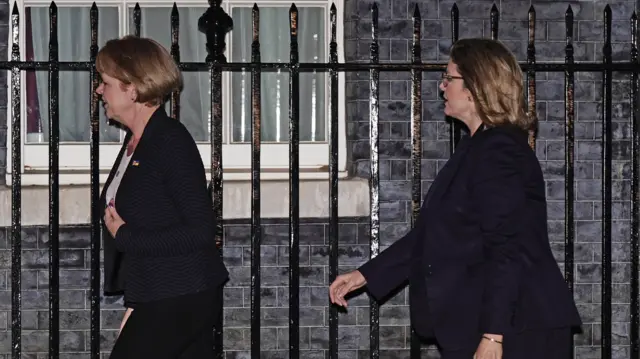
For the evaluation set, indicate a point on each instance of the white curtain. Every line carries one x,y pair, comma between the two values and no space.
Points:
195,101
74,96
274,94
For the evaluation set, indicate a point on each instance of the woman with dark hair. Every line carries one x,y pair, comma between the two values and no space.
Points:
482,278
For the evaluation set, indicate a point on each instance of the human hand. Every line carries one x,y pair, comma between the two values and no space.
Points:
112,220
488,348
344,284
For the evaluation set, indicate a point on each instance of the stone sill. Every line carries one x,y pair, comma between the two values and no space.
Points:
75,207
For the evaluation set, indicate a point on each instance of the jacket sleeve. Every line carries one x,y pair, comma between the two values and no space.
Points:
389,268
497,193
185,182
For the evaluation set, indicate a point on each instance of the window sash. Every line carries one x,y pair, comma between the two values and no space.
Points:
74,157
312,128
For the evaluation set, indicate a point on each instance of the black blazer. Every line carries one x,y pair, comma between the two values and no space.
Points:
166,247
478,259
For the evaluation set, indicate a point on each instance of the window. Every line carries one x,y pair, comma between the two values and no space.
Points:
116,19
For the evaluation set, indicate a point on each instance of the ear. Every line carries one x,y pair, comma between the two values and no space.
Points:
132,93
468,94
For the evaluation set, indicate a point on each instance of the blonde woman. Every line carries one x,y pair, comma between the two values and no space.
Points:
158,216
483,281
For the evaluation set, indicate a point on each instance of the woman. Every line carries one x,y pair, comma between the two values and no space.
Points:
483,281
159,240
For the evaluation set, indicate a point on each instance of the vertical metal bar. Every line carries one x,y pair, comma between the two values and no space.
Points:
374,108
569,152
494,20
94,155
294,189
216,170
215,23
256,230
16,187
531,74
416,142
606,189
54,186
635,195
333,180
137,19
454,136
175,52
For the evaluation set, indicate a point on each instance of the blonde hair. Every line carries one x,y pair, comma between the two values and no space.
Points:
493,76
143,63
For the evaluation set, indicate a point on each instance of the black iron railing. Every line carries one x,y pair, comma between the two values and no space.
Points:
215,23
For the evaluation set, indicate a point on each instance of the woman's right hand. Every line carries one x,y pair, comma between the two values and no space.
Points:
344,284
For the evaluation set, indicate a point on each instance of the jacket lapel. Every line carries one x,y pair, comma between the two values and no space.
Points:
443,180
140,152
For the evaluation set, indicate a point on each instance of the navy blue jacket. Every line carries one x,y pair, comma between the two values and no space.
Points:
166,247
478,259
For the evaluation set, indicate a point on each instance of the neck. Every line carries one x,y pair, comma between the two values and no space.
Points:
141,117
473,123
473,128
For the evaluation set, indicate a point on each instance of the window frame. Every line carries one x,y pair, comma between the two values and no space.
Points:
74,158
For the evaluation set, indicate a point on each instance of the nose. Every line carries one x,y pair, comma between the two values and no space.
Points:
99,89
442,86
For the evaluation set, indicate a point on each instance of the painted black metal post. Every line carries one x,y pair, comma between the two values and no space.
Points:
455,126
607,133
16,184
256,139
294,187
416,143
569,153
54,187
333,182
175,53
374,191
531,73
215,23
96,221
635,196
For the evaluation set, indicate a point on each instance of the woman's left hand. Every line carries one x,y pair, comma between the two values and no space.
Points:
112,220
489,349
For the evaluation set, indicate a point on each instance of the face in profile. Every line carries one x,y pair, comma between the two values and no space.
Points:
458,103
117,98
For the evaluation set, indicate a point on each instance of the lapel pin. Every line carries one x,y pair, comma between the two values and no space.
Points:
135,163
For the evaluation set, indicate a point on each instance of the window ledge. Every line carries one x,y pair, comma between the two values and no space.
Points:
75,204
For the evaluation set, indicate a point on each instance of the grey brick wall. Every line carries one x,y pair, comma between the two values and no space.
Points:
395,35
75,289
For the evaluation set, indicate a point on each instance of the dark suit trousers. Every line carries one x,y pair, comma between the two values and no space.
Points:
538,344
173,328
